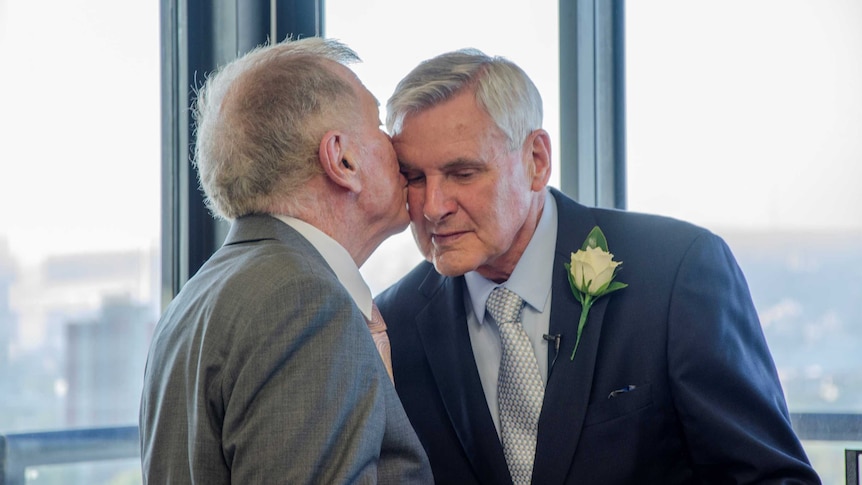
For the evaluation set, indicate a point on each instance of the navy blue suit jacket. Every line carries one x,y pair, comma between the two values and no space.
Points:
707,406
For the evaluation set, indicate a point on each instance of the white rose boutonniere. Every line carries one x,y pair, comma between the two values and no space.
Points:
591,275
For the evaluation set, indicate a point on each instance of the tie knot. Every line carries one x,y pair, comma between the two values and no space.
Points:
504,305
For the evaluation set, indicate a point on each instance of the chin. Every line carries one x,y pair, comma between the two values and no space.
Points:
450,272
447,269
405,220
396,228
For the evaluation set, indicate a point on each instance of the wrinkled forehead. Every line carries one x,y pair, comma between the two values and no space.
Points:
455,117
449,133
416,100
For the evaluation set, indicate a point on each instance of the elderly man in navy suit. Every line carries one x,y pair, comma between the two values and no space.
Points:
631,352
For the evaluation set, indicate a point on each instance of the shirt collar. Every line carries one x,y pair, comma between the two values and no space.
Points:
531,278
338,259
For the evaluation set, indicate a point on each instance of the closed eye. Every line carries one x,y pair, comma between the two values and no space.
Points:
463,175
413,178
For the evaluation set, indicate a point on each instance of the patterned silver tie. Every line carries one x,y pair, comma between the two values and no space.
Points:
520,389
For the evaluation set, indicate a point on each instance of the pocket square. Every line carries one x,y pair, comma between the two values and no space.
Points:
628,388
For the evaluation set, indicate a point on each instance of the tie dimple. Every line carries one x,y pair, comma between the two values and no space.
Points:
520,388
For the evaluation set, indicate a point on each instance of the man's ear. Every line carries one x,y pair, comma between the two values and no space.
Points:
334,159
538,149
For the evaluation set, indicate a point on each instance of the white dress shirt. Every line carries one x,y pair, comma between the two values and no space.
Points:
531,280
338,259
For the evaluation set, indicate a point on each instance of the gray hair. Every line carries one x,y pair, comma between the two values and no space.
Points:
259,121
502,89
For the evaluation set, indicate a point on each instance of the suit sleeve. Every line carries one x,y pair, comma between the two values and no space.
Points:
724,383
303,389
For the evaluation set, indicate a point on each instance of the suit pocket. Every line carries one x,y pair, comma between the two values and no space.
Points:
621,404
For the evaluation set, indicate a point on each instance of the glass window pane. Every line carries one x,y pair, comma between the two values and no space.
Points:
392,37
745,117
80,224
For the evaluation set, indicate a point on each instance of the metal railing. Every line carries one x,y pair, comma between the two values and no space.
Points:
22,450
827,426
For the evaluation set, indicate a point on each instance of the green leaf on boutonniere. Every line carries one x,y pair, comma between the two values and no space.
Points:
591,273
595,239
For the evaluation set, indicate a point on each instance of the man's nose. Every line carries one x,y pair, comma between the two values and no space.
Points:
438,201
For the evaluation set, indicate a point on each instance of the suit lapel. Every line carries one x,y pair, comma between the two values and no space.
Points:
569,384
446,341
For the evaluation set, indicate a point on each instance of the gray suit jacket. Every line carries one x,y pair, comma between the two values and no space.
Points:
262,370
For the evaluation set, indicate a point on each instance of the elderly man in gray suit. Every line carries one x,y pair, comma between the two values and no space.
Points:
263,368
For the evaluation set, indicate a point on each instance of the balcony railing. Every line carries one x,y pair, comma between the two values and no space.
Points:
22,450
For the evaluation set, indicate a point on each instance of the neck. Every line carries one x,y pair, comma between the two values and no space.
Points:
343,221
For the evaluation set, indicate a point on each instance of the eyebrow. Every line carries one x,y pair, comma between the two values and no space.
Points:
456,164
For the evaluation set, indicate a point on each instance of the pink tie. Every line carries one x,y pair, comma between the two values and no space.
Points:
377,327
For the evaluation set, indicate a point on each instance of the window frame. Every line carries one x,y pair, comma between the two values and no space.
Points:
198,35
592,123
592,164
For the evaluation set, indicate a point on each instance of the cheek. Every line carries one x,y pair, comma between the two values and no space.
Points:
500,215
390,154
415,201
384,151
391,172
423,242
